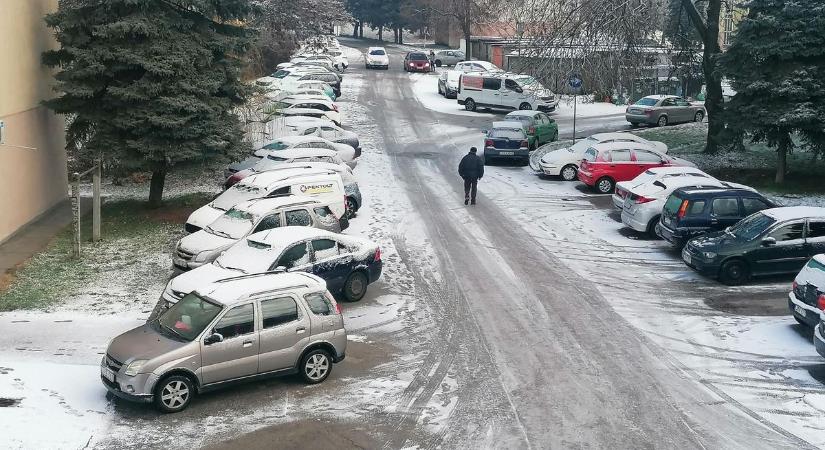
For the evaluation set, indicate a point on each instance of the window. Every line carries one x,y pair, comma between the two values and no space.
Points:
816,229
278,311
696,207
682,102
491,83
726,207
788,232
668,102
237,321
295,256
619,155
278,192
268,223
318,304
753,205
324,248
507,133
647,157
511,85
590,154
325,215
298,217
310,131
188,317
320,106
377,52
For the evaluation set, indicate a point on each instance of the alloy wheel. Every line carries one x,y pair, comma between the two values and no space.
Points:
568,173
316,366
175,394
662,121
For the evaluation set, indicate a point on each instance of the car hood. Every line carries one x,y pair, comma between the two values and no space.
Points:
557,155
710,241
203,216
203,275
245,164
201,240
142,342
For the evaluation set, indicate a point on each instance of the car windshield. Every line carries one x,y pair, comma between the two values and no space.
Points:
647,101
751,226
277,145
187,318
233,224
280,74
377,52
581,146
238,193
507,133
417,57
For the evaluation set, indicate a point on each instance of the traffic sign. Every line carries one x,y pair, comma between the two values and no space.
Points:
575,81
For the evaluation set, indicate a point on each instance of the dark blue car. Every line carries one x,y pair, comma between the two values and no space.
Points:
507,140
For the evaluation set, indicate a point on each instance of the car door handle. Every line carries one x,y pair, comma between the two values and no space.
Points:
300,330
247,344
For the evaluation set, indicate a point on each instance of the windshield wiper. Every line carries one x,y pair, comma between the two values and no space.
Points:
218,232
172,330
236,268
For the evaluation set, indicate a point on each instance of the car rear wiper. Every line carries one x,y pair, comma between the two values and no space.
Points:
659,183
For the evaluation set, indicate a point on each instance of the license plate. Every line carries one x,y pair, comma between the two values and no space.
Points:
799,310
107,373
507,153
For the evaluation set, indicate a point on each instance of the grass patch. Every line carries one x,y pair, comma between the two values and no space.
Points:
133,235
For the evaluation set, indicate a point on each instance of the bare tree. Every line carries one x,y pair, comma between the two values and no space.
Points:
468,13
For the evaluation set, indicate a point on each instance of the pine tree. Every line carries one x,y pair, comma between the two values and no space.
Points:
151,84
776,64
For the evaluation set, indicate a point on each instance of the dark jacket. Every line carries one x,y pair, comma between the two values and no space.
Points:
471,166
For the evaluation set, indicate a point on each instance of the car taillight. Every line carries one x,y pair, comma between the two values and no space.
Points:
335,107
820,301
488,143
525,144
682,209
641,199
794,285
531,130
377,257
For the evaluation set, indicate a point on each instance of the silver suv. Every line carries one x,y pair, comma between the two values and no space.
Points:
240,328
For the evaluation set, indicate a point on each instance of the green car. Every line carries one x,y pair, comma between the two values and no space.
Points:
540,128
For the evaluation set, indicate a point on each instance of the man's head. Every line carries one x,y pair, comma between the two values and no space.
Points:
473,150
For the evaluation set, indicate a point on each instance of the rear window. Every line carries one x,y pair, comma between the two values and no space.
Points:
814,264
646,102
526,120
318,304
377,52
590,154
507,133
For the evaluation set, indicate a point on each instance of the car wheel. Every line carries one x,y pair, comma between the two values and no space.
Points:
662,121
555,136
651,227
470,105
316,366
605,185
355,287
438,63
569,172
799,321
173,394
352,207
634,124
524,106
699,116
734,272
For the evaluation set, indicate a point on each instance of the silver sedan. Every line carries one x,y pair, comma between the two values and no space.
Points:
662,110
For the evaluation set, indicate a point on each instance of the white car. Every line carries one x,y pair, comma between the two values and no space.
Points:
643,204
203,246
295,249
346,152
448,83
299,155
339,57
327,107
477,66
651,175
328,131
565,161
377,57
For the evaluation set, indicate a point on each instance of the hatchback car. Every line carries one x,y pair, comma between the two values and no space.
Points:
506,140
604,165
540,128
377,57
769,242
448,57
662,110
690,212
807,297
448,83
417,62
229,329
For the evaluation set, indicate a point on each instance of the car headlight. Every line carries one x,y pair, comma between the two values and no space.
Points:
134,367
709,255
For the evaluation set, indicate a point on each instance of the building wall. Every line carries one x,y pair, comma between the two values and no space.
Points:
31,181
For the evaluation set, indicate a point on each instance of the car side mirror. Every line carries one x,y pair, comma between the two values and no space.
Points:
213,338
769,241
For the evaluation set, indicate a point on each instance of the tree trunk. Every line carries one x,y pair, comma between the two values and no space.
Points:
361,29
355,29
381,33
781,165
156,186
467,50
400,35
395,35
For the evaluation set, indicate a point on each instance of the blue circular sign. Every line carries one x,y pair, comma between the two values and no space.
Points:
575,81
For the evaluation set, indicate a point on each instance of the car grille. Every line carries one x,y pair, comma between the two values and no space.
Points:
113,363
191,228
184,255
807,293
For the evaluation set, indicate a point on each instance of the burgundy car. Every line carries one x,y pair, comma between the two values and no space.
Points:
417,62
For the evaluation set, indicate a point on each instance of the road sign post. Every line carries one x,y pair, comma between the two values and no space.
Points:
575,82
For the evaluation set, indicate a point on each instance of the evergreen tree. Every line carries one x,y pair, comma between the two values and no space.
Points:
150,84
776,64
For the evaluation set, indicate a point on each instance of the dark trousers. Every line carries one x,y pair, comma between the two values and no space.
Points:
470,188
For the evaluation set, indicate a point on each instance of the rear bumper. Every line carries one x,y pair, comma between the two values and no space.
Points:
618,201
497,153
819,343
375,270
803,311
671,236
639,118
637,221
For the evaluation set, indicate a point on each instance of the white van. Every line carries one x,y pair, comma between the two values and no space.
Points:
504,91
324,184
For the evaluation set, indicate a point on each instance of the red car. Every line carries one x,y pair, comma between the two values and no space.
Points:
417,62
605,164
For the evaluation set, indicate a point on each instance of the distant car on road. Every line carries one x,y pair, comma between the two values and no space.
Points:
377,57
770,242
417,62
448,83
540,127
604,165
807,297
508,140
448,57
662,110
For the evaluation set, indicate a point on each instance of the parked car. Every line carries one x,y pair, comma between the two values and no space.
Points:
347,263
604,165
504,91
377,57
506,139
341,61
448,57
448,83
540,127
771,241
417,62
273,158
661,110
807,297
623,188
242,328
252,216
690,212
330,132
565,161
300,86
332,79
346,152
324,184
326,106
477,66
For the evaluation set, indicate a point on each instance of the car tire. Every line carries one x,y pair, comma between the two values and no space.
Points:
315,366
799,321
634,124
355,287
569,172
555,136
525,106
470,104
438,63
662,122
605,185
699,117
651,228
352,207
734,272
174,393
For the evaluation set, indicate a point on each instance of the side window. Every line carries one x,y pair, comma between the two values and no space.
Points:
647,157
280,191
324,249
491,83
310,131
696,207
318,304
725,207
325,215
320,106
788,232
298,217
480,68
619,155
816,230
510,84
278,311
237,321
268,223
753,205
682,102
295,256
668,102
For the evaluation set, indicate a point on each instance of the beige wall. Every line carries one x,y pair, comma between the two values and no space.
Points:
31,181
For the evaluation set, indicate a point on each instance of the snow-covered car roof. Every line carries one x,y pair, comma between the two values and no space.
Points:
661,96
294,99
665,170
229,291
264,179
605,146
508,124
794,212
294,140
303,152
261,206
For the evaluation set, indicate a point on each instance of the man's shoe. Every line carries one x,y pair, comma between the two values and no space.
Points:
466,201
473,202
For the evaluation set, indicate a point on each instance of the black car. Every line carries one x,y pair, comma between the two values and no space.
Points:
693,211
772,241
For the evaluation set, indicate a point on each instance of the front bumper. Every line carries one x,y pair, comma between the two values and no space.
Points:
184,265
551,170
803,311
699,264
819,342
134,389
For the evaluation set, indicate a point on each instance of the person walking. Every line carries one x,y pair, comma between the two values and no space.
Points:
432,61
471,169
